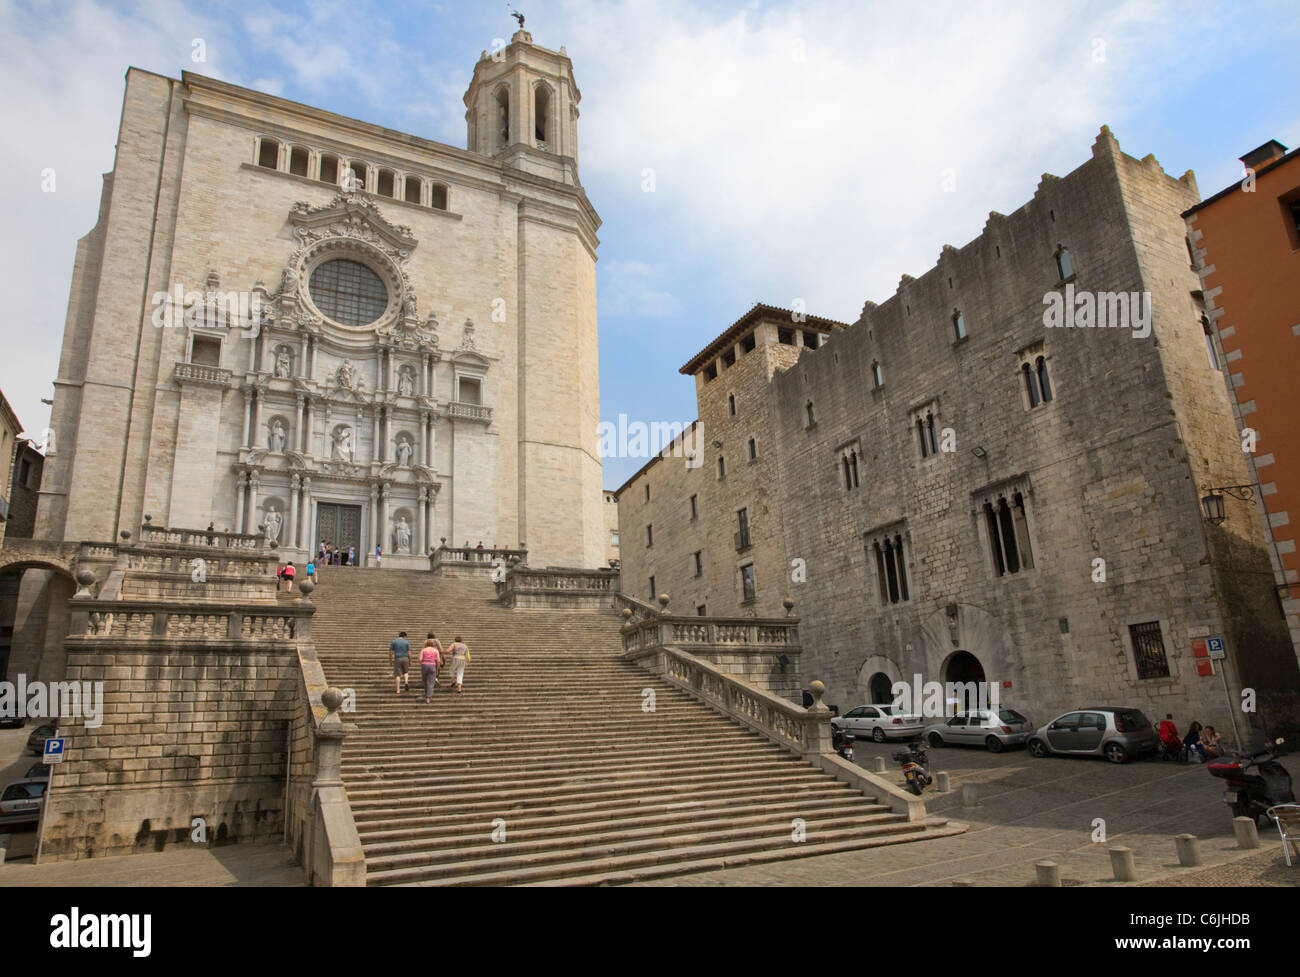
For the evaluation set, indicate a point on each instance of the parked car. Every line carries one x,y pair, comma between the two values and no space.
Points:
38,771
880,722
981,727
36,741
12,722
1115,732
20,802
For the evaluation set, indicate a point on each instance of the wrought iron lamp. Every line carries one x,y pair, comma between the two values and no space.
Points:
1212,501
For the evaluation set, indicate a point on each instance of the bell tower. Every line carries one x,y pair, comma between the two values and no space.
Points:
522,108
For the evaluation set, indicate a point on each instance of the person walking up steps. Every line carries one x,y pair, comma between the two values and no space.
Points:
430,662
399,653
459,659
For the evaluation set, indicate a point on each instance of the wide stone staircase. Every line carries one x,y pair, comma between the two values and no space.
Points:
550,768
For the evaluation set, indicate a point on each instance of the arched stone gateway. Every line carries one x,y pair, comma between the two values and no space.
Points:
963,679
876,678
964,643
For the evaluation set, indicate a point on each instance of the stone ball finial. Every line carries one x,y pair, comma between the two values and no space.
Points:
332,698
788,604
124,534
274,545
148,518
306,587
663,601
627,614
85,576
817,688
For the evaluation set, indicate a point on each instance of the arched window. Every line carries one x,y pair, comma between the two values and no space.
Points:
1031,384
877,375
848,480
929,430
1064,263
268,153
542,116
853,463
920,430
329,169
731,404
959,324
503,116
355,176
1209,343
386,185
1044,384
298,161
412,189
812,417
438,197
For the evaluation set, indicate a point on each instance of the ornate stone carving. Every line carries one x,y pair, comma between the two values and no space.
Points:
467,336
272,524
342,448
406,382
276,438
402,534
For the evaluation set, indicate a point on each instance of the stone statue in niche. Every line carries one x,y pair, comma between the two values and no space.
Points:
408,305
402,531
467,338
283,364
404,452
276,440
272,525
342,450
288,281
346,375
406,382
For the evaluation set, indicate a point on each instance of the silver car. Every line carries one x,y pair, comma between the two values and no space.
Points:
981,727
21,801
880,722
1115,732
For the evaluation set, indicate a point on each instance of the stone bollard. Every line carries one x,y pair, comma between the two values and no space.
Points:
878,764
1246,832
1121,864
941,782
4,848
969,796
1049,873
964,883
1189,850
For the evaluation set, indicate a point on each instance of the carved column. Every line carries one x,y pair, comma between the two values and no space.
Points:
295,437
304,533
314,345
251,526
374,424
302,359
385,431
257,421
374,519
425,389
308,445
248,415
241,481
422,444
419,546
312,541
295,485
386,530
380,386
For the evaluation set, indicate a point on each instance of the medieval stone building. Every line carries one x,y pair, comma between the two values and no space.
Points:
956,488
291,323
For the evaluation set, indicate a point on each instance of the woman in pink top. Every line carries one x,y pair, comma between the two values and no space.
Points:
430,661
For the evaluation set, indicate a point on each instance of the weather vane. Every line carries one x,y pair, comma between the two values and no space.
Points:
519,17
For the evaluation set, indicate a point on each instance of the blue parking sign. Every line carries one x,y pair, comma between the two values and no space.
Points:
54,750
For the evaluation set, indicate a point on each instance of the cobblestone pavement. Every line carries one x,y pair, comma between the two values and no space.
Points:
229,865
1032,809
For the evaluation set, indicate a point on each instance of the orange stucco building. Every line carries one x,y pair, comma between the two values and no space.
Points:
1245,243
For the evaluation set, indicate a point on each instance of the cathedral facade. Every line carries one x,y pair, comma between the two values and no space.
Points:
292,323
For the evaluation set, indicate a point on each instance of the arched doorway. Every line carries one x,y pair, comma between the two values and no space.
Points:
963,676
880,688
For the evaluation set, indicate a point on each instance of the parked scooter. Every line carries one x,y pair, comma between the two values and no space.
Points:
1248,794
916,766
842,742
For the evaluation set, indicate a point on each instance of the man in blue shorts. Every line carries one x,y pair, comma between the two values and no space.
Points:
399,653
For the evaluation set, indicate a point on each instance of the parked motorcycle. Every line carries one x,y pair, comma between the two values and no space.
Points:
916,766
842,742
1248,794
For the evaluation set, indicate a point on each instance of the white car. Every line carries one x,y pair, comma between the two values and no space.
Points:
880,722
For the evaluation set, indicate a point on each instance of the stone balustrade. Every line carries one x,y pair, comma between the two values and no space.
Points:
557,587
148,621
469,412
198,373
201,537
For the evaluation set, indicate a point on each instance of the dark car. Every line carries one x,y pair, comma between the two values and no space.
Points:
12,722
36,741
38,771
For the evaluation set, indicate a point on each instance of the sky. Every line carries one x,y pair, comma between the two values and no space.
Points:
808,152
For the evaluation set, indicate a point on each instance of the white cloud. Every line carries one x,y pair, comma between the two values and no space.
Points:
634,288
